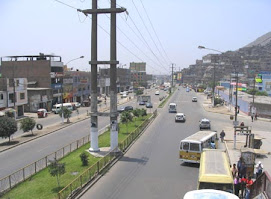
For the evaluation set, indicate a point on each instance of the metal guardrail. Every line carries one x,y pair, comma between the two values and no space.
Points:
92,172
262,185
22,174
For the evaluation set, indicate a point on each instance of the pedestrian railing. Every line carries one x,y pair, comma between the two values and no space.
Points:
22,174
262,185
92,172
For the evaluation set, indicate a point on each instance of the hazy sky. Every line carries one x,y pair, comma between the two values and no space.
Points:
29,27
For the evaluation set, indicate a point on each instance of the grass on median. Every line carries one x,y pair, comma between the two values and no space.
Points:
44,186
162,104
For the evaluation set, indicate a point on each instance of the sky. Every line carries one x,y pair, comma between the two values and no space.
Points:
30,27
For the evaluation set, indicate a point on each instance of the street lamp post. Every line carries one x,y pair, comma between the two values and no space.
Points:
62,97
214,80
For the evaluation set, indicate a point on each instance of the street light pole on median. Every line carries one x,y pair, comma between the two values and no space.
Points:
62,94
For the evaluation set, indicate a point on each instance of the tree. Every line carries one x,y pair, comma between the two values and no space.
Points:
136,112
84,158
126,117
139,92
57,169
66,113
8,126
142,112
27,124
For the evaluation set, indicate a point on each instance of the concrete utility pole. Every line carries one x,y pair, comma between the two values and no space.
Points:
172,68
113,74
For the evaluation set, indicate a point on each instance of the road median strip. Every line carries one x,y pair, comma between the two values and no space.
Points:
46,184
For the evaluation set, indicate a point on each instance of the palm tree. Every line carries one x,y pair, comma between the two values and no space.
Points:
126,117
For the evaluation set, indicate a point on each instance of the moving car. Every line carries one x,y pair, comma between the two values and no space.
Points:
124,95
76,105
180,117
125,108
172,108
157,93
194,99
148,105
204,124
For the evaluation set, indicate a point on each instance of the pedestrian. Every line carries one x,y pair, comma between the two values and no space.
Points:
212,144
252,116
238,110
259,169
242,128
248,187
237,186
234,170
243,186
222,135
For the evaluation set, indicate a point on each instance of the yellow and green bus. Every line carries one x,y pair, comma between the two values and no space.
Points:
191,147
214,171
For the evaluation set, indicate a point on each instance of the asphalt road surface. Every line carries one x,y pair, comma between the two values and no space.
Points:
22,155
151,168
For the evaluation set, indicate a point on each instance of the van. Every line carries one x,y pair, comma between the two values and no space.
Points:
57,107
172,108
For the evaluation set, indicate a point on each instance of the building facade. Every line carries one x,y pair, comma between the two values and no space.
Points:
13,94
41,71
138,74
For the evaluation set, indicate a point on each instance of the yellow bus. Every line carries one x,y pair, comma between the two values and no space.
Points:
192,146
214,171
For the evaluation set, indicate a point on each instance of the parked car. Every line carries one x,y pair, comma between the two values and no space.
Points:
148,105
180,117
124,95
194,99
204,124
42,113
141,103
125,108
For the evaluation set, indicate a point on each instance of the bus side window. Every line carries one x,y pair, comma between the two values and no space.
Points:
186,146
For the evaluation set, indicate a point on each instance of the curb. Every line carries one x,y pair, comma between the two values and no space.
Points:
29,140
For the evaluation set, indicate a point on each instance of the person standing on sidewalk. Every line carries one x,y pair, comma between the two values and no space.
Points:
259,169
222,135
252,116
242,128
234,170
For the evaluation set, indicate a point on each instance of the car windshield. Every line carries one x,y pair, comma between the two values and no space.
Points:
205,122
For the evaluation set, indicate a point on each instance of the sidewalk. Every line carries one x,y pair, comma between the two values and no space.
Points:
235,154
27,137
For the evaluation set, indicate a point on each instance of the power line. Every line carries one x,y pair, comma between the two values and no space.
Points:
65,4
154,31
148,31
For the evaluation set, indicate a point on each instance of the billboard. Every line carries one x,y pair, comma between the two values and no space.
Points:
179,76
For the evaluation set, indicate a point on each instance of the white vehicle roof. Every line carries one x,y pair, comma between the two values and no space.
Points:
205,120
174,104
194,97
199,136
210,194
179,114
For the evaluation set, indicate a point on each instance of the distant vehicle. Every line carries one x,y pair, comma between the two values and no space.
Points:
192,146
76,105
141,103
194,99
42,113
57,107
148,105
210,194
214,171
180,117
204,124
187,89
125,108
124,95
172,108
157,93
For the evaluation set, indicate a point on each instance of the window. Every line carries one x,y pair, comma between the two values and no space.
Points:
11,97
1,96
10,82
185,145
194,147
22,96
17,83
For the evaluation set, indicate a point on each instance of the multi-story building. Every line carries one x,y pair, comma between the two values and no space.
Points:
13,94
76,86
138,74
123,80
41,71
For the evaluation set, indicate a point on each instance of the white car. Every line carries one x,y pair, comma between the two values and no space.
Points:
194,99
157,93
180,117
204,124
